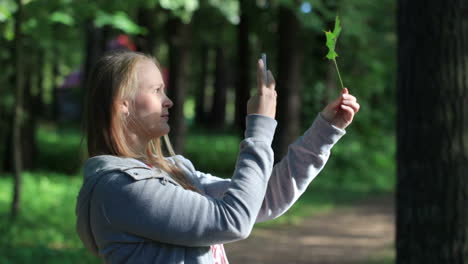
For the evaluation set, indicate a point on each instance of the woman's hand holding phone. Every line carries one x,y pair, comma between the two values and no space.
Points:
264,102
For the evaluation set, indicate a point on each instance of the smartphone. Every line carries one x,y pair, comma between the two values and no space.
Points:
265,70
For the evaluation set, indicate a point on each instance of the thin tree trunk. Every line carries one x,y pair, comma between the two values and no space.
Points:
6,130
28,125
432,134
200,108
19,112
218,110
55,90
95,46
146,18
243,69
38,100
179,60
288,83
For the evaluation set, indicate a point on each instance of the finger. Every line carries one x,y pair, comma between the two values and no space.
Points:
345,91
354,105
260,76
348,112
349,97
271,81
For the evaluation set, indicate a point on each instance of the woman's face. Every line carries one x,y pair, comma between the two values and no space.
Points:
151,105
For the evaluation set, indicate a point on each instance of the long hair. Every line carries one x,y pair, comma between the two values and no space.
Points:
113,78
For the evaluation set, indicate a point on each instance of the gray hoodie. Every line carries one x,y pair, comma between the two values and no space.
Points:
128,212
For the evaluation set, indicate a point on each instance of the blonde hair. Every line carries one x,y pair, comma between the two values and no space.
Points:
113,78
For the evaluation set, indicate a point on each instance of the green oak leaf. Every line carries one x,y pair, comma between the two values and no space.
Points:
332,37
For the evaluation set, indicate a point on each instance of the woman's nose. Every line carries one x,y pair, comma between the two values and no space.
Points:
168,103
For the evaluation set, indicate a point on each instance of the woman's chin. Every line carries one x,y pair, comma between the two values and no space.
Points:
164,132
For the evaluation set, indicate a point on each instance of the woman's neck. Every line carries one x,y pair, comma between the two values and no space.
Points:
137,143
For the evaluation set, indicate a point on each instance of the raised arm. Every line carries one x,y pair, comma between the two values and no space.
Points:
307,156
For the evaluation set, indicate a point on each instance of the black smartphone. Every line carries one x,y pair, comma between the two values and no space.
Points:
265,70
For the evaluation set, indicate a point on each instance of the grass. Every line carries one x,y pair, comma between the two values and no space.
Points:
44,231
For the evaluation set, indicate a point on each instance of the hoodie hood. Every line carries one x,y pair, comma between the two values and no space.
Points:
95,169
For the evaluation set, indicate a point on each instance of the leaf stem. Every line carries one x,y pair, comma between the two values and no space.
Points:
338,71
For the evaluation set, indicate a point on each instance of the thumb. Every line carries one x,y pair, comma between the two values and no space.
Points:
345,91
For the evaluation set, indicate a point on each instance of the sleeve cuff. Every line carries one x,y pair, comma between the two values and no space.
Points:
260,127
322,134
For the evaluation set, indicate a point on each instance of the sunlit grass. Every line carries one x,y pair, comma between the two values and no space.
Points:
44,232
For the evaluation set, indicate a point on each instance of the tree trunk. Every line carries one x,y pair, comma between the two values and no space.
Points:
28,125
179,39
243,69
218,110
288,83
200,108
19,112
432,134
38,100
8,118
55,90
146,18
95,46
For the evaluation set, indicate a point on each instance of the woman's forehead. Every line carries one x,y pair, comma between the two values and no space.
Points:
148,74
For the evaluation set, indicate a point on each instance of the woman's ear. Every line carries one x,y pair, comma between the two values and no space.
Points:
124,106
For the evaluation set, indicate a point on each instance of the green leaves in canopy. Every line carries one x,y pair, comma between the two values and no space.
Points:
62,17
7,8
181,8
118,20
229,9
332,37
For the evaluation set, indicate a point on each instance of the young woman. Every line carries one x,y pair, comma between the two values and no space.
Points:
137,206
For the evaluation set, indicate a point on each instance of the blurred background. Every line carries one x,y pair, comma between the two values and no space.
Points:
208,51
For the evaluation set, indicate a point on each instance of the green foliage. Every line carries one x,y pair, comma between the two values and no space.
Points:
229,8
63,18
7,8
118,20
181,8
332,38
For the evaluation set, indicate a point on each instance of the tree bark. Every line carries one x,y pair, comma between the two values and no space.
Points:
288,83
179,59
218,110
19,113
432,133
244,57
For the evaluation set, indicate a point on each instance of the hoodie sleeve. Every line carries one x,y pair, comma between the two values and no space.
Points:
305,158
165,212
